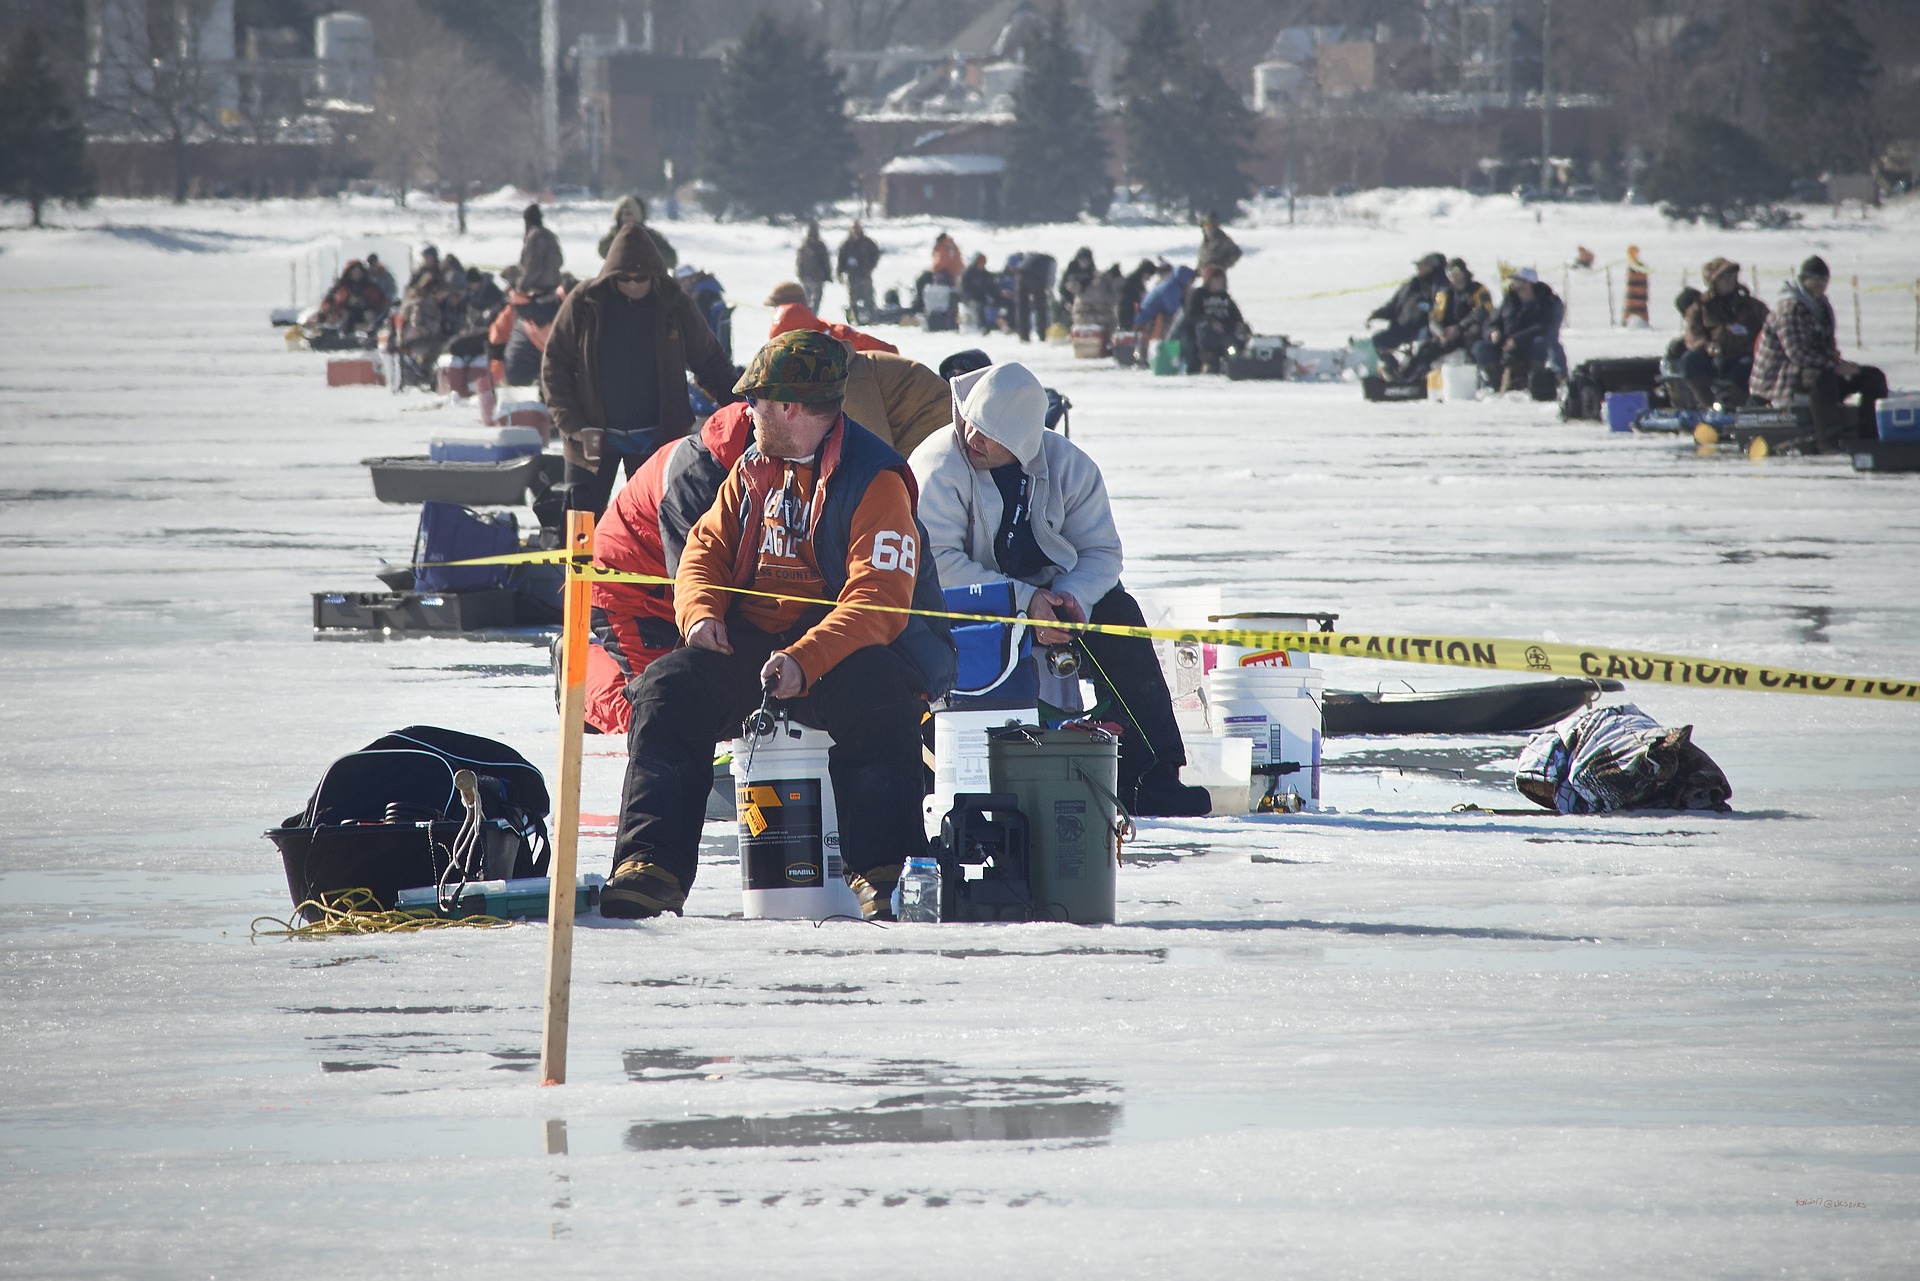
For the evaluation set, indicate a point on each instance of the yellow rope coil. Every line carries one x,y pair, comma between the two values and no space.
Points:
357,911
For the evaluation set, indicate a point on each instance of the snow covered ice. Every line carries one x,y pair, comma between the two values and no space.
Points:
1385,1040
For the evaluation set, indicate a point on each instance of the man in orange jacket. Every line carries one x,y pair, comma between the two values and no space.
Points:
817,519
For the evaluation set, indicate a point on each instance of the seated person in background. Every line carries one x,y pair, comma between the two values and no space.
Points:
1799,352
1407,311
1682,303
1005,500
1460,314
1722,327
822,512
1522,334
354,302
378,273
484,297
1099,301
1077,275
420,326
429,259
1160,310
1211,323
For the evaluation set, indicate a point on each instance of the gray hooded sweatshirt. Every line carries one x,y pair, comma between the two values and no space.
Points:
961,507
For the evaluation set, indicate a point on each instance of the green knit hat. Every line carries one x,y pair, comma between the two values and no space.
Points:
801,365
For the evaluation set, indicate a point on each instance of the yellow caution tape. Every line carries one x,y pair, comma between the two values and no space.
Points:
1484,653
1339,293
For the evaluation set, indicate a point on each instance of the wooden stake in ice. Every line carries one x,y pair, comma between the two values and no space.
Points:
1857,343
566,809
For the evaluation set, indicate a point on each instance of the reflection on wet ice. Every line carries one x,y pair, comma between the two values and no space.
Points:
948,1106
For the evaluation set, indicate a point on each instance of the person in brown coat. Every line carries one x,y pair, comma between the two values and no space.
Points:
1723,325
614,374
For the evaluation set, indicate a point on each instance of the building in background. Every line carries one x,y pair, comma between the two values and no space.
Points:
639,112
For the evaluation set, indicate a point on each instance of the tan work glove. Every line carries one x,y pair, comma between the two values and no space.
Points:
582,448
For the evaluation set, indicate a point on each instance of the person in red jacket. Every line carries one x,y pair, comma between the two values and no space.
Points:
797,315
644,532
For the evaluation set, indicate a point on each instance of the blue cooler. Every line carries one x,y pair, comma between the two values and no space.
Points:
1622,409
1898,417
498,445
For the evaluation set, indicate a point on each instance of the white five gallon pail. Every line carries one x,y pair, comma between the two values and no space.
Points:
960,755
1254,656
789,828
1459,382
1279,709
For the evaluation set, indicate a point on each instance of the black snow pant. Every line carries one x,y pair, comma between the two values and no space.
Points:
1126,674
1830,389
860,296
1395,336
693,698
590,491
1032,309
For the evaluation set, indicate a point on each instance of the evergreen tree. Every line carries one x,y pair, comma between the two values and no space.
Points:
1057,152
1820,92
773,130
1188,133
43,145
1711,170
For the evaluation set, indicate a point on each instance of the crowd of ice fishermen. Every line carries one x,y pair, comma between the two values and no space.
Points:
1734,351
804,505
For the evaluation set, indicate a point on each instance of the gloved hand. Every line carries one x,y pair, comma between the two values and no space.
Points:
583,448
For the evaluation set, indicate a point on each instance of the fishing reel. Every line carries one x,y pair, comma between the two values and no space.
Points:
760,722
1063,662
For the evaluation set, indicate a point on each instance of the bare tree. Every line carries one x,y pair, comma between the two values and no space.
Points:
442,115
150,82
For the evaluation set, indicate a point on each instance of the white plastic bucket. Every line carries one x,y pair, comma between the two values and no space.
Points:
790,865
1278,708
1224,766
960,755
1459,382
1244,656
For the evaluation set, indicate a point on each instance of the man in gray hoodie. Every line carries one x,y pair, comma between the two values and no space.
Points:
1004,499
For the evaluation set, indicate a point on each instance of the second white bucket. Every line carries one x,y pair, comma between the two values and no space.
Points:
790,865
960,755
1279,709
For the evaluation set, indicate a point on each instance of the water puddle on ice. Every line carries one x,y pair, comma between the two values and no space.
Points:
937,1103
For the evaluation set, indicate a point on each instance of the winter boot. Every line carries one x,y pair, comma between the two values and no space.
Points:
640,890
1161,794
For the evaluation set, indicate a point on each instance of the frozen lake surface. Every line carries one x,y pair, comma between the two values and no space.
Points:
1384,1040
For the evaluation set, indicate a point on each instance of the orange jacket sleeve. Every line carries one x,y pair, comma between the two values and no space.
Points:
707,564
883,555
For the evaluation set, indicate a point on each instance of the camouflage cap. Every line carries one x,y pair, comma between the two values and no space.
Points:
802,365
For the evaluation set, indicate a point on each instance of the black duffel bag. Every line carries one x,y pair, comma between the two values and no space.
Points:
1587,386
388,818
